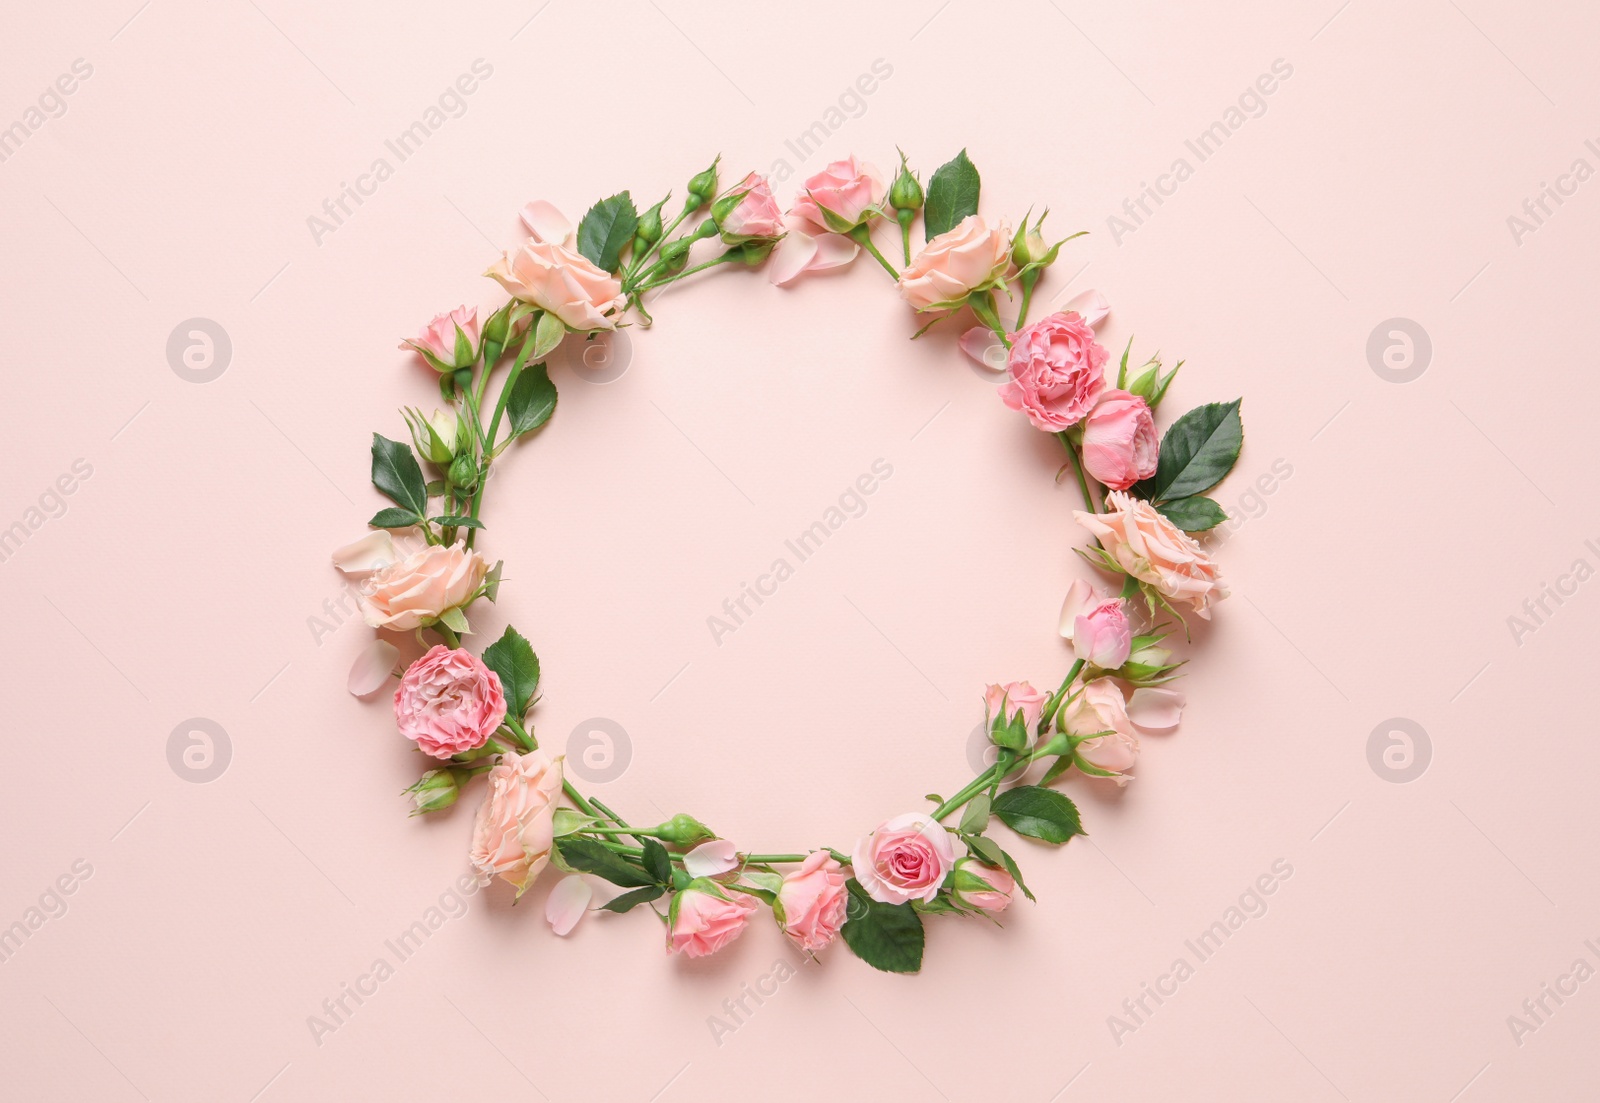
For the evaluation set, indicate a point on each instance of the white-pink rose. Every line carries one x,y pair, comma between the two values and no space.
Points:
1154,550
812,901
755,216
1016,697
438,338
1097,625
400,594
1057,371
1100,707
562,281
1120,445
449,702
906,858
514,832
705,917
970,256
850,190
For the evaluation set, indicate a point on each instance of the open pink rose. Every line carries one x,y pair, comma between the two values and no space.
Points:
968,257
399,594
449,702
438,337
982,887
514,832
756,216
1097,626
1120,445
705,917
906,858
848,189
812,901
1101,708
1057,371
1154,550
1018,697
564,282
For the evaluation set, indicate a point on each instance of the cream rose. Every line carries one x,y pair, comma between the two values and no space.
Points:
564,282
1100,707
1154,550
515,828
399,594
969,257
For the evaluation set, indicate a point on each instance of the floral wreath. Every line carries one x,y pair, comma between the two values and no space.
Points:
470,712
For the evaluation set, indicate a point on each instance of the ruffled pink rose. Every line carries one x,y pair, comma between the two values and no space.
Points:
982,887
438,337
1098,626
968,257
1154,550
515,830
849,189
756,216
1120,445
400,594
1018,697
1057,371
449,702
562,281
1100,708
705,917
906,858
812,901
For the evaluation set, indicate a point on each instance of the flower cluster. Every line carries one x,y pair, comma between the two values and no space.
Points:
419,575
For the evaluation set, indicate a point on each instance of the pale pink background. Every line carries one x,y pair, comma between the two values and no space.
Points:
1374,582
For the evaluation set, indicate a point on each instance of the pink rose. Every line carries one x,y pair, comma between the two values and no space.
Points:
449,702
906,858
1120,446
1097,626
401,594
705,917
438,337
1018,697
562,281
515,831
1057,372
970,256
755,216
982,887
1154,550
848,189
812,901
1101,708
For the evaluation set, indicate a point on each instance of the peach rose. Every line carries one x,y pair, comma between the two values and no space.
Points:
514,832
1101,708
970,256
982,887
562,281
850,190
906,858
755,216
1120,445
438,337
1018,697
449,702
1057,371
812,901
1154,550
705,917
399,594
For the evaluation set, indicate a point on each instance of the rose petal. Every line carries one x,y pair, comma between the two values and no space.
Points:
1091,305
983,345
793,255
710,859
1080,598
833,251
363,556
567,903
1155,710
373,667
546,223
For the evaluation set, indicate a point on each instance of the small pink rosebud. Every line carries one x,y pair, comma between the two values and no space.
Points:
985,888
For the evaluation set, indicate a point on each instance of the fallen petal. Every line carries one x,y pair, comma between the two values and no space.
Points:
567,903
833,251
546,223
1080,598
791,258
710,859
1091,305
363,556
1155,710
373,667
982,344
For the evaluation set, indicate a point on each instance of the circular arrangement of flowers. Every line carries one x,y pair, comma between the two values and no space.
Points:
420,573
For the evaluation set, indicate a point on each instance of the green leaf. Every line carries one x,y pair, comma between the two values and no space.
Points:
1038,813
397,475
391,517
1016,874
606,229
532,400
512,657
885,936
952,196
1193,514
546,336
1197,451
458,521
592,856
1122,370
656,862
633,899
975,817
455,620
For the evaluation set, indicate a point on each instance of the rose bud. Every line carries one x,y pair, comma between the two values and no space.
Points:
1097,626
812,902
434,790
683,830
434,436
844,195
1013,710
983,887
748,213
448,342
1120,445
702,186
705,917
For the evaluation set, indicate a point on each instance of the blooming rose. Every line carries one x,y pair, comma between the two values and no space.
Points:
1018,697
1120,446
515,831
812,900
1100,708
401,594
1097,626
755,215
848,189
1057,371
906,858
705,917
438,337
969,257
449,702
562,281
982,887
1154,550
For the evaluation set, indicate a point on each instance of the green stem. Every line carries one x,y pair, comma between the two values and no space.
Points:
1077,469
863,235
450,638
1054,701
655,283
639,262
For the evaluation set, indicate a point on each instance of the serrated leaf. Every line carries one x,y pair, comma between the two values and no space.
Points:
885,936
656,862
392,517
1038,813
607,229
397,475
459,521
547,335
952,195
592,856
512,658
532,400
633,899
1196,452
1193,514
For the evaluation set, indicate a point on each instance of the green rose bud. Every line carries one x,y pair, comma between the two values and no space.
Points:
649,231
464,471
702,186
683,830
905,194
675,255
435,436
434,790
